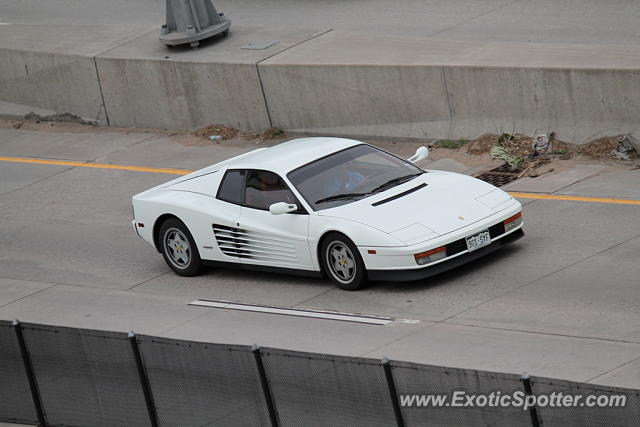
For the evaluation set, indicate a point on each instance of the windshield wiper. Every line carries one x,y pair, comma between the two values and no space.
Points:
391,183
395,181
343,196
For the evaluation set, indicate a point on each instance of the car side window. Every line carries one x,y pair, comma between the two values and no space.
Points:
264,188
232,187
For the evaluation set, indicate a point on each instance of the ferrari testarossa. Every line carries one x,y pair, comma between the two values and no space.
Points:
331,206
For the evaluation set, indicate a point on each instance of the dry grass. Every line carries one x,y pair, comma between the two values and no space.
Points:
600,148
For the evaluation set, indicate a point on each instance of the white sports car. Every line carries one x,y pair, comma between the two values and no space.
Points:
331,206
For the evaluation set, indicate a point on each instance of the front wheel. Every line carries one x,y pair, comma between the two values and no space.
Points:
179,249
342,262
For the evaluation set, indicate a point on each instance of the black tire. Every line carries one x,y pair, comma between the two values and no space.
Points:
350,274
183,259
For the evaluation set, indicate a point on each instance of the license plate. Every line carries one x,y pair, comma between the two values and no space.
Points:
478,241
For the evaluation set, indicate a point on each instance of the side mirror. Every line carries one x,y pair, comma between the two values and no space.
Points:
421,154
282,207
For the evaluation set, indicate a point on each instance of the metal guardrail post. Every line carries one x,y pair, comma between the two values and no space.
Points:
393,394
533,411
31,377
273,415
144,381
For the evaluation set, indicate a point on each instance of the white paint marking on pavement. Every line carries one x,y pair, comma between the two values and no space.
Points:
329,315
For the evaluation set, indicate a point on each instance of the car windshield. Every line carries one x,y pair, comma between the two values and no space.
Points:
349,175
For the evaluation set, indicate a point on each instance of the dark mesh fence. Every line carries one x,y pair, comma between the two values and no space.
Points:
15,397
197,384
414,379
583,415
91,378
318,390
86,378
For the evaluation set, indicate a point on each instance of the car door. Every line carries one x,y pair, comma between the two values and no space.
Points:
268,239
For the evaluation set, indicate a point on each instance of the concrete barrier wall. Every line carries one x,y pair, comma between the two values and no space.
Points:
180,95
62,83
146,84
52,67
126,77
360,100
354,84
329,83
451,102
578,104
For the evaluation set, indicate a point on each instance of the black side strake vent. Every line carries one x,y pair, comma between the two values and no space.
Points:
397,196
240,243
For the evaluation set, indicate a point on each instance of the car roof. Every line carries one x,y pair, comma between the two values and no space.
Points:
290,155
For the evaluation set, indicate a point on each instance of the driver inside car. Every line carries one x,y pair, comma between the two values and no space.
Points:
343,181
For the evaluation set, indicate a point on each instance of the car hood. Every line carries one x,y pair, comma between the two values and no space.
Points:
448,202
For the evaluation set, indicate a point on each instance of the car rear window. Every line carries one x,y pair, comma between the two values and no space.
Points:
232,187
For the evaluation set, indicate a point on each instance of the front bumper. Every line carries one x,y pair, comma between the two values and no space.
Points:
422,273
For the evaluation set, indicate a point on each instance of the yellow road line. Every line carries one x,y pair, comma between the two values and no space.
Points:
576,198
605,200
95,165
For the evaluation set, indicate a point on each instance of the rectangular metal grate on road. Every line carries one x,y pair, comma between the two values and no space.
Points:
316,314
502,175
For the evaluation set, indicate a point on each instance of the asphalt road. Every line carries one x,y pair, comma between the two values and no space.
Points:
542,21
562,302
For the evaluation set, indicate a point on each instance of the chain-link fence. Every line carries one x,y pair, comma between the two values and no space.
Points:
77,377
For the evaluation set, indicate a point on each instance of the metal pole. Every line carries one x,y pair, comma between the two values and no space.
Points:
273,415
144,381
533,411
28,367
392,391
194,15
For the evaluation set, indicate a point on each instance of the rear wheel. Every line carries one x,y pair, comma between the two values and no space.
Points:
342,262
179,249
